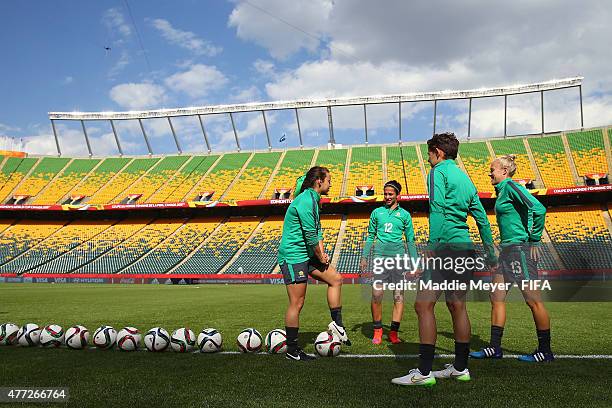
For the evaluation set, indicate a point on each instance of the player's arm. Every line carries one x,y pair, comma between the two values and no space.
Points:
437,205
370,237
307,212
409,235
367,247
411,246
484,228
536,216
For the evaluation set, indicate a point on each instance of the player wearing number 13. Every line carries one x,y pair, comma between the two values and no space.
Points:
521,222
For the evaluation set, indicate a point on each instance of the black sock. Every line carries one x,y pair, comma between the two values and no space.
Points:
395,326
462,351
377,324
292,338
496,336
336,315
426,356
544,341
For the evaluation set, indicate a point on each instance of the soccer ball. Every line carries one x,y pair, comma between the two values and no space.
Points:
276,341
8,334
327,344
209,341
104,337
182,340
28,335
52,336
249,341
128,339
157,339
77,337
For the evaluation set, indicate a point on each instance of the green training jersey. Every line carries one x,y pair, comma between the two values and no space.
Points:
301,228
385,232
520,215
452,195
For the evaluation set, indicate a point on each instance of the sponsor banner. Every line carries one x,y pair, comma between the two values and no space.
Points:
576,190
165,279
246,203
204,204
153,206
12,153
31,207
413,197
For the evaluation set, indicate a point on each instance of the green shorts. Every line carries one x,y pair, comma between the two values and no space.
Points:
299,272
516,265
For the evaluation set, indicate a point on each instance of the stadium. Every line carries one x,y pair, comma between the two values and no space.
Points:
191,239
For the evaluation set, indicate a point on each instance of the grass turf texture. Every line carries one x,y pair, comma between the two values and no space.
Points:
111,377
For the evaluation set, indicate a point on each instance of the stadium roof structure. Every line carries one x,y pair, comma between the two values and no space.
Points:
329,104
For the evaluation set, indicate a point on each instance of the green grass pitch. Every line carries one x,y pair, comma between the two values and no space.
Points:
105,378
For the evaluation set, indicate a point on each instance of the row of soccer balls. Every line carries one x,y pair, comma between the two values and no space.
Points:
157,339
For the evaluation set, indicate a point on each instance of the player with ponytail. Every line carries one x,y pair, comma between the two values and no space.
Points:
302,254
521,218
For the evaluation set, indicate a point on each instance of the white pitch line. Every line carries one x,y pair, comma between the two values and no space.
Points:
506,356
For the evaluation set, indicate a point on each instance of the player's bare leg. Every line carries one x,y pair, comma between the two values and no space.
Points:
376,306
542,323
297,294
498,302
334,300
424,308
498,321
334,285
455,302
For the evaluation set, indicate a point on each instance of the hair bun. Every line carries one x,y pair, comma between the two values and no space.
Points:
511,157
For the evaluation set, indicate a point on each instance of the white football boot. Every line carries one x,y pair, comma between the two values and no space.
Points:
340,332
451,372
414,377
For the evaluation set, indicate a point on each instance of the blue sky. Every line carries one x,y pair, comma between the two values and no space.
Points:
213,52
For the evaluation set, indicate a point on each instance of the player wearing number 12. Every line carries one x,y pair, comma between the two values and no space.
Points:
387,225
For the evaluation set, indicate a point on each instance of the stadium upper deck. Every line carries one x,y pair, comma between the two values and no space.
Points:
566,159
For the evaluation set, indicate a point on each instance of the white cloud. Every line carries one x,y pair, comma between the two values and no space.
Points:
331,78
138,96
281,29
250,94
72,142
185,39
122,62
264,67
115,22
248,126
198,81
67,80
435,45
7,128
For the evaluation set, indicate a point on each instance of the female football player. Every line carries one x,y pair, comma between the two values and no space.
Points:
387,225
302,254
521,221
